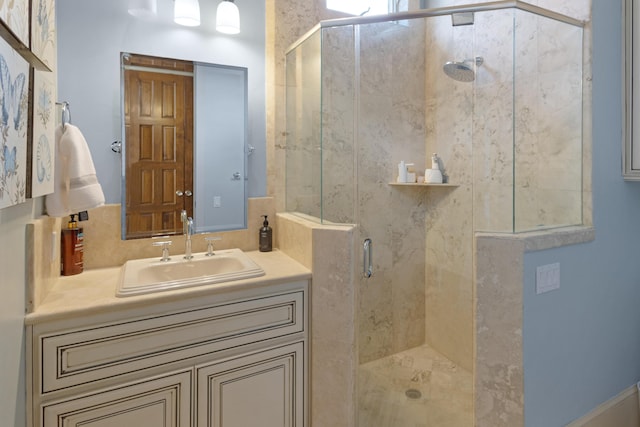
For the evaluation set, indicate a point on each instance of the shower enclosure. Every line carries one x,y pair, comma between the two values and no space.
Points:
496,91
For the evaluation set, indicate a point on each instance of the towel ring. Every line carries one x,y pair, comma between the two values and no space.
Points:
66,108
116,147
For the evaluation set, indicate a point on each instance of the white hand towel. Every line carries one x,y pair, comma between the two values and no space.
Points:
76,186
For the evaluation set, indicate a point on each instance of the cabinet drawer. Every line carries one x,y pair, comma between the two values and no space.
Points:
92,354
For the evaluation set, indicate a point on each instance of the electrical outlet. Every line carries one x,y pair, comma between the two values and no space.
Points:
217,201
547,278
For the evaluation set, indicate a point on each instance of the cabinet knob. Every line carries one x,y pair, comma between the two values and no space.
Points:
188,193
179,193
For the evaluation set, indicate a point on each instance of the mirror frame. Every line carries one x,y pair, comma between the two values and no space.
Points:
90,38
198,227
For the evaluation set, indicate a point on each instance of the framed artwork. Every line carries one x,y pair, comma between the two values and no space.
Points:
15,15
43,141
14,100
43,31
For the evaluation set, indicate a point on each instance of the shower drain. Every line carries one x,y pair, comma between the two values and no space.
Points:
412,393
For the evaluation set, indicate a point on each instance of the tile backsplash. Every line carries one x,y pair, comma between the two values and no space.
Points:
103,246
42,258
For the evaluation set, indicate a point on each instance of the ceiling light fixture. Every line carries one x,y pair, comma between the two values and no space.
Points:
187,13
228,17
143,8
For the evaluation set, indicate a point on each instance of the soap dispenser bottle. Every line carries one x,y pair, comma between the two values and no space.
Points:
266,234
72,252
402,172
433,175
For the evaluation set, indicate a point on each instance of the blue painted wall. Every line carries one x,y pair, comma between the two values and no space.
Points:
582,342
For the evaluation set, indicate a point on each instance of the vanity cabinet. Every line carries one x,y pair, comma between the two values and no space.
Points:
236,360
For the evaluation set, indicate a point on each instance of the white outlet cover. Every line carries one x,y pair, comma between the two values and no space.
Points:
547,278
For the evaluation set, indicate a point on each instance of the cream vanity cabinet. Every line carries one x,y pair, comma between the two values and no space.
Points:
231,360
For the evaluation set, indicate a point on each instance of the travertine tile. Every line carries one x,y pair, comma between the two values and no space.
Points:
294,237
333,341
445,391
42,258
499,375
334,361
103,246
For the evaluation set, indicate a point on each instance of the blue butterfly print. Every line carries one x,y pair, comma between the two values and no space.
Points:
12,93
10,166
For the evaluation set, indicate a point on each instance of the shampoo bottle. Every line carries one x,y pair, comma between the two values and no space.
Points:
72,242
266,242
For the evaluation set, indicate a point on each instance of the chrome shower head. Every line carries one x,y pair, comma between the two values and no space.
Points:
462,71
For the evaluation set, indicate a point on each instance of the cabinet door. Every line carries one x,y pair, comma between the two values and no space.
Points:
263,389
159,402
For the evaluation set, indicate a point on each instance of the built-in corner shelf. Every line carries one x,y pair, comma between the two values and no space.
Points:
415,184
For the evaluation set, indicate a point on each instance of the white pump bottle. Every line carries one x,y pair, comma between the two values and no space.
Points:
433,175
402,172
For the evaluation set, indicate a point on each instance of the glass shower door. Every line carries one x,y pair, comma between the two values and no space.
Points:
398,95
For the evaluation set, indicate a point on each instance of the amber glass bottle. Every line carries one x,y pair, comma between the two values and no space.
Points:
72,242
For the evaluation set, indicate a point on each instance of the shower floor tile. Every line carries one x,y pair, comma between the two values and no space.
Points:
441,392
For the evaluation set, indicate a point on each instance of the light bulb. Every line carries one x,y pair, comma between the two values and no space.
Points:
187,13
228,17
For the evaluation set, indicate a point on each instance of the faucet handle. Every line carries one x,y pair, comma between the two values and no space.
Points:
210,241
165,249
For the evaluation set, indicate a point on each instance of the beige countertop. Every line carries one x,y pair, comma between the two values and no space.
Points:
94,291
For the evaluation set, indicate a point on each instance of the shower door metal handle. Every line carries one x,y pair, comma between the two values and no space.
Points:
367,258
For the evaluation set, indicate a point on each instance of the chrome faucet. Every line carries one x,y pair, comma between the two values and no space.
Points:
187,230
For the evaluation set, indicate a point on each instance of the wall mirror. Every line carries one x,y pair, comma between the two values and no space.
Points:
91,38
184,147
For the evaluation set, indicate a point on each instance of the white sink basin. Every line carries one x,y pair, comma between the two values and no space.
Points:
143,276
